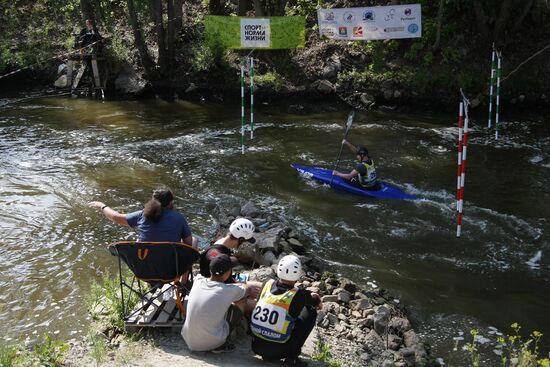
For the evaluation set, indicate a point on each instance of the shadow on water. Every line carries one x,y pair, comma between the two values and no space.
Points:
58,154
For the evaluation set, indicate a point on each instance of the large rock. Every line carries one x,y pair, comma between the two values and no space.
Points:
374,343
249,254
296,245
332,67
394,342
269,240
381,320
329,298
360,304
129,81
325,87
410,338
250,210
348,285
399,325
262,274
270,258
61,82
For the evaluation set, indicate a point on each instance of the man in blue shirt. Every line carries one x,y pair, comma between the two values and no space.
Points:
157,222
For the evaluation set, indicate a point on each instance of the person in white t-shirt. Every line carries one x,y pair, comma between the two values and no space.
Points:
214,309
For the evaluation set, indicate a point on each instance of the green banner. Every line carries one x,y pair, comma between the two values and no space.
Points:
255,32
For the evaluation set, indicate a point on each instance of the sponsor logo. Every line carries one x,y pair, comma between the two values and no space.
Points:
389,15
413,28
368,16
343,31
394,29
357,32
329,16
329,32
408,12
349,17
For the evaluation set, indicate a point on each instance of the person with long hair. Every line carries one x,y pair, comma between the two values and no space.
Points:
157,222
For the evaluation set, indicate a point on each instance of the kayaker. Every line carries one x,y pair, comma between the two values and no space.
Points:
284,315
157,222
364,174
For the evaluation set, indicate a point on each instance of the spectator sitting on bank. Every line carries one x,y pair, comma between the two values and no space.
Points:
284,315
241,230
157,222
214,309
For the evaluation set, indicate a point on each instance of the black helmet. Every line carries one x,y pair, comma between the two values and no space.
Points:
362,151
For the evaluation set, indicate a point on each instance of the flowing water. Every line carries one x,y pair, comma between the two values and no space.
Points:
58,154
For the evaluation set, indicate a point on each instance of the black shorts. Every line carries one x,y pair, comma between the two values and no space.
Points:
233,317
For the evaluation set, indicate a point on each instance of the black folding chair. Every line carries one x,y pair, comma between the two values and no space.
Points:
166,267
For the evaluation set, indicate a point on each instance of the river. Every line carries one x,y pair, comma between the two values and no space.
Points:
57,154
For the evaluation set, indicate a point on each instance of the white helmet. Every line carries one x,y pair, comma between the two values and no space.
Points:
242,227
289,268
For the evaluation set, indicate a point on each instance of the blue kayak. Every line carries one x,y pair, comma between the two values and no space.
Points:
386,191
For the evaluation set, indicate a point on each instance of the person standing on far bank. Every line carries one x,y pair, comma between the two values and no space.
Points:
157,222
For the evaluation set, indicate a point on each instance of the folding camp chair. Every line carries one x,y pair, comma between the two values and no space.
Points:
162,265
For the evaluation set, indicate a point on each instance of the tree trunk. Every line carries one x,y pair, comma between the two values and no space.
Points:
146,61
87,10
242,8
502,18
170,33
439,21
215,7
480,18
259,8
161,42
523,15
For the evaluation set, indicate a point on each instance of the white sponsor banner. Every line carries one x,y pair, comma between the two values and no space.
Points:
255,33
373,23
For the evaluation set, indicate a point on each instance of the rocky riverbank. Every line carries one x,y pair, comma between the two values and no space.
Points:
361,325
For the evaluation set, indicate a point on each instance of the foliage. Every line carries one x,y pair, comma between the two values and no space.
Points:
99,347
513,350
8,355
270,79
49,353
104,302
323,354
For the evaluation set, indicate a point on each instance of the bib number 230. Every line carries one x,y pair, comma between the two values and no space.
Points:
269,315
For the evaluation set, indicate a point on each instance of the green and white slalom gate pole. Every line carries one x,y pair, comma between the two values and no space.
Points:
491,82
497,125
251,98
242,108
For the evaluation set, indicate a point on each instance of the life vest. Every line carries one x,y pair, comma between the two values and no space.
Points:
369,179
271,319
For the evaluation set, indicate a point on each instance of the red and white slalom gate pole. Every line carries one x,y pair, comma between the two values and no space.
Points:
459,171
463,170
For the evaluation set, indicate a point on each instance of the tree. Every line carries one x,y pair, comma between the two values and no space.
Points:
146,60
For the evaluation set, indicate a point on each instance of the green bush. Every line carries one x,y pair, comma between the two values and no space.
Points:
48,353
323,354
514,350
270,80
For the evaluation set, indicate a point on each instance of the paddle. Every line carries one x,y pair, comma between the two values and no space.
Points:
348,128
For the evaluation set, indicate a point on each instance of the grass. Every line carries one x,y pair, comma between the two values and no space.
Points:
323,354
104,302
8,355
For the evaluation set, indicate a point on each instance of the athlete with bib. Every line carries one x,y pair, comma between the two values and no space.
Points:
284,315
364,174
